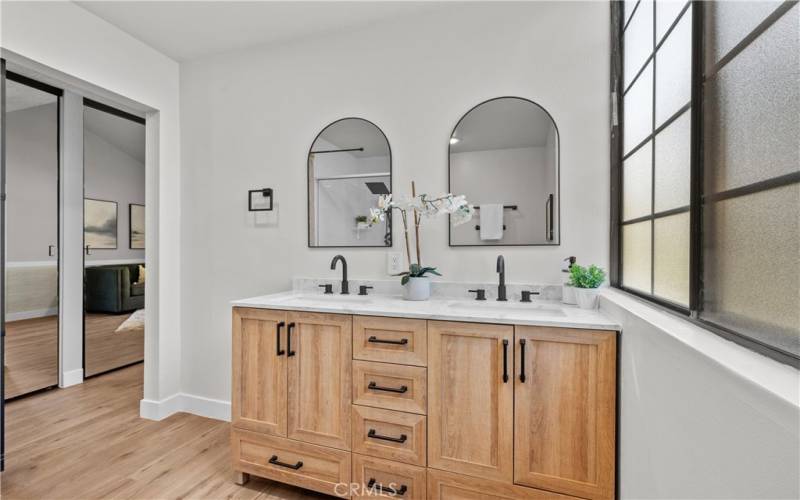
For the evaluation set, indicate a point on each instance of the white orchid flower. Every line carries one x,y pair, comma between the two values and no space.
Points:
376,216
385,202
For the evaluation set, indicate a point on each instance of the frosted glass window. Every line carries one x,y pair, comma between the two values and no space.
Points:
666,13
752,257
674,70
638,114
671,258
752,110
636,256
673,161
638,41
728,22
637,183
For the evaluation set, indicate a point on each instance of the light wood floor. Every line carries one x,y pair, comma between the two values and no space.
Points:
31,359
88,442
105,348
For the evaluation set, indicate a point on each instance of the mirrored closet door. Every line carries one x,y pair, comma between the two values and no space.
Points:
114,245
31,229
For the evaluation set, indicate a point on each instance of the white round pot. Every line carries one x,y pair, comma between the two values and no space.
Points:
587,297
568,294
417,289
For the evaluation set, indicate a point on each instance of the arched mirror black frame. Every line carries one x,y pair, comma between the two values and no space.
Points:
388,240
557,211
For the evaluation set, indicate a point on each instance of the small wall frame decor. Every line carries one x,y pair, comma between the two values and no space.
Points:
259,200
136,226
100,224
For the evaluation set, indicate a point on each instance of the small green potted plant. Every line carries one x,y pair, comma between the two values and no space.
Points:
586,281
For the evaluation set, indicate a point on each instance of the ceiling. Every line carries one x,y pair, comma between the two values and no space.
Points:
121,133
504,123
186,30
355,133
19,96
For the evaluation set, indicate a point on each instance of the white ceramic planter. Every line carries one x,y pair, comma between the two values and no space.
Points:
587,297
568,294
417,289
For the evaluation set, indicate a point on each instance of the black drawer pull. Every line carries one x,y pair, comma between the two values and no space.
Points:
289,340
274,461
376,387
522,360
278,350
372,434
372,484
505,361
376,340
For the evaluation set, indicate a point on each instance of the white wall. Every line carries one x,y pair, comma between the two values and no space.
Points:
32,183
248,119
516,176
66,41
112,175
701,417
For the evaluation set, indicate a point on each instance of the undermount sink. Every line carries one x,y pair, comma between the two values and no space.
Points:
495,306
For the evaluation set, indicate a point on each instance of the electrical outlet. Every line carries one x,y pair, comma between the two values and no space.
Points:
394,262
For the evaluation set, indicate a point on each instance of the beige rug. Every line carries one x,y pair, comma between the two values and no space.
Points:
134,322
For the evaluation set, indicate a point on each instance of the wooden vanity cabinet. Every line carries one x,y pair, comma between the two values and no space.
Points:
565,410
319,357
258,401
291,375
471,399
456,411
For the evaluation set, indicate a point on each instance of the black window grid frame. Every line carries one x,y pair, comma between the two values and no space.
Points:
697,197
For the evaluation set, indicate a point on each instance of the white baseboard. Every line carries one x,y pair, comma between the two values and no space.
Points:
72,377
207,407
36,313
187,403
159,410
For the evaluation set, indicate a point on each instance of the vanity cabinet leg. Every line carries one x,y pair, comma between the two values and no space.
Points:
240,478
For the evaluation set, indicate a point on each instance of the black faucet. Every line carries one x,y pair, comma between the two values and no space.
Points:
345,287
501,287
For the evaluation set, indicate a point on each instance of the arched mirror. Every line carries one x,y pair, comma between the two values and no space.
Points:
504,157
349,167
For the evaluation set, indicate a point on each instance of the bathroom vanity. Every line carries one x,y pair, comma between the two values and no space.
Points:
441,399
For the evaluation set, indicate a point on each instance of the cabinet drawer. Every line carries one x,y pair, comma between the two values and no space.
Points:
394,387
389,434
383,478
450,486
391,340
308,466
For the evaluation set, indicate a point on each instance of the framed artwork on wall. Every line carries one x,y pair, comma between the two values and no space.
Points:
100,224
136,232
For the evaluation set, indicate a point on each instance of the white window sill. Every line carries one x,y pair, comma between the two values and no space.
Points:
779,379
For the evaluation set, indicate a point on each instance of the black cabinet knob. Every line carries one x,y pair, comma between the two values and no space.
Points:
480,294
328,288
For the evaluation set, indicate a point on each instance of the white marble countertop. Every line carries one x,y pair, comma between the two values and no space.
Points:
537,313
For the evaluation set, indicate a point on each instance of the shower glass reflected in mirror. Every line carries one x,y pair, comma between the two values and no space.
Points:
113,238
504,157
349,167
31,219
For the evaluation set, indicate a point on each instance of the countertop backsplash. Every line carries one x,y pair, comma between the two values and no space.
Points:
439,289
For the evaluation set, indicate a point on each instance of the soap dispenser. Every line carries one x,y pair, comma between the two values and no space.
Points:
568,291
